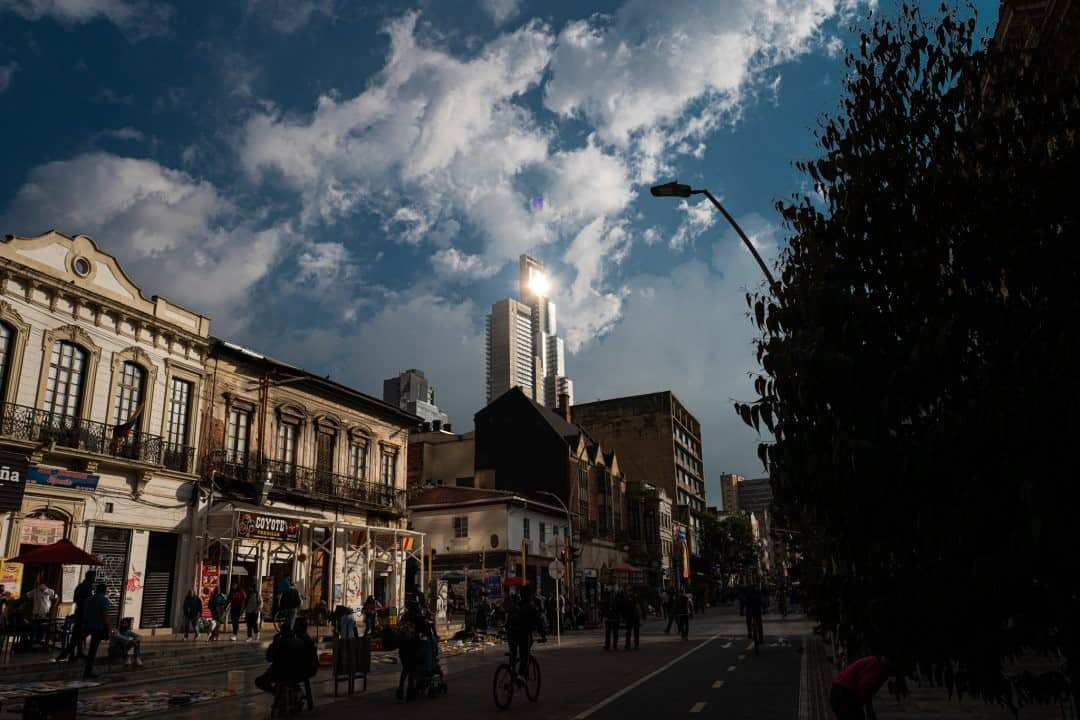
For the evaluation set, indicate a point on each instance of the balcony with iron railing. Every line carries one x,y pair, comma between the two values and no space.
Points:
246,469
19,422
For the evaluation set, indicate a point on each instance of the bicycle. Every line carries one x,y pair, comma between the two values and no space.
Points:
506,680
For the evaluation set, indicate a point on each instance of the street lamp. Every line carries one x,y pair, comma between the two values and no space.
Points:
569,518
674,189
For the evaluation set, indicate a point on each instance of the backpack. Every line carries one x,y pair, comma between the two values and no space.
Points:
290,599
406,628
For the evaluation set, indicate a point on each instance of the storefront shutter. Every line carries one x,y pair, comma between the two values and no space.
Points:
111,548
158,581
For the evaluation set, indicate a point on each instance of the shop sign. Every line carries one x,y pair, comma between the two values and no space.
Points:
59,477
36,531
208,584
12,480
11,578
257,526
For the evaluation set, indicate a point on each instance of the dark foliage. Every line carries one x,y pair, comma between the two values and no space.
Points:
921,359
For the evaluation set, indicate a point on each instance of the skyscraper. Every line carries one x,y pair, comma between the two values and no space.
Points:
523,347
412,392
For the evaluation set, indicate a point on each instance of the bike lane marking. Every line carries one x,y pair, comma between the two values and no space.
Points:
718,684
641,681
731,668
698,707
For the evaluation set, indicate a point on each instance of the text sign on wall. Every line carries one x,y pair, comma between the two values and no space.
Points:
257,526
59,477
12,481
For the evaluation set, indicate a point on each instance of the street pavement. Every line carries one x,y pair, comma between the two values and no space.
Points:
709,675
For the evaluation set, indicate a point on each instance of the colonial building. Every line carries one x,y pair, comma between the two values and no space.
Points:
490,535
527,448
307,482
101,390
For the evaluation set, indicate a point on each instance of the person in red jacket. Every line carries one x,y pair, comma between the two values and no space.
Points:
853,689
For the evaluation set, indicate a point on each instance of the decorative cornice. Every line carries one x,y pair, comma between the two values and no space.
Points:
35,279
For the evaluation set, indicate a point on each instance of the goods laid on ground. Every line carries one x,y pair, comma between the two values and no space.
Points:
119,704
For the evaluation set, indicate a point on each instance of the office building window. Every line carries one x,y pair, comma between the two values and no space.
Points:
63,392
389,466
358,460
286,444
236,441
179,412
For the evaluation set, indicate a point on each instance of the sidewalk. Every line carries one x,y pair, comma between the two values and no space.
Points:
923,702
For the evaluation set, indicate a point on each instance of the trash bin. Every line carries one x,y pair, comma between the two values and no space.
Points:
59,705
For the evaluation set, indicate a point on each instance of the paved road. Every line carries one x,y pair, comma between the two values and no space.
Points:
720,678
580,676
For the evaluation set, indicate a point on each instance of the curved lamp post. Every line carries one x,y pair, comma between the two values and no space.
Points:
674,189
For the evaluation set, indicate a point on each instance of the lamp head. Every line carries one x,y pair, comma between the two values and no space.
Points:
671,189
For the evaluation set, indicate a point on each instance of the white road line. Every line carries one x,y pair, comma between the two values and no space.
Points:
604,703
698,707
726,645
718,684
731,668
741,658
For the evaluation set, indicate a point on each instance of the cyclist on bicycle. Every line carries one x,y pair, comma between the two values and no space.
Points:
522,620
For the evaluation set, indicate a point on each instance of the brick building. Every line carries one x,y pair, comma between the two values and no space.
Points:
658,442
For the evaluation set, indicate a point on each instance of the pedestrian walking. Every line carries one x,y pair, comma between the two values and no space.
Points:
371,610
611,611
42,599
83,592
753,608
669,611
632,621
853,689
410,627
237,601
218,613
683,605
192,613
96,625
290,602
253,615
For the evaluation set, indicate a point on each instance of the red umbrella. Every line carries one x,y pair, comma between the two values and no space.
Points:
59,553
515,581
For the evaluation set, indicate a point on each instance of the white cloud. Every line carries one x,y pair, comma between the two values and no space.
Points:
425,330
288,16
451,263
700,216
137,19
176,235
655,79
501,10
124,133
441,131
688,332
6,73
586,311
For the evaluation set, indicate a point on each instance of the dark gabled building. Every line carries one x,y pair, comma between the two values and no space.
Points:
524,447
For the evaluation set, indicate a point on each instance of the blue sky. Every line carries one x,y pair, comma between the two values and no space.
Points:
348,185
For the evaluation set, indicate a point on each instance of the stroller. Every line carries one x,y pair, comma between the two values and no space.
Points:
429,672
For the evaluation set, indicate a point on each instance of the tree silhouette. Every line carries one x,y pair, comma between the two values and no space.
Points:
921,358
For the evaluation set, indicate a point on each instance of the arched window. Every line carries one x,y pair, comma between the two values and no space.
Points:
63,392
7,338
130,389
